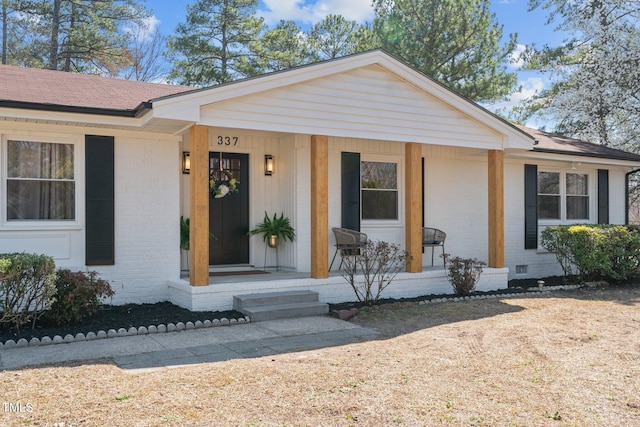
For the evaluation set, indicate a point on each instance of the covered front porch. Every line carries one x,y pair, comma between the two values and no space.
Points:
314,171
219,293
446,158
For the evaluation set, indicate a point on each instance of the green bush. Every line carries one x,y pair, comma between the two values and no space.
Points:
26,288
594,252
463,273
79,295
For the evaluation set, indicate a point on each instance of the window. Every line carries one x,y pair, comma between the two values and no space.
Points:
563,196
577,196
40,181
548,195
379,190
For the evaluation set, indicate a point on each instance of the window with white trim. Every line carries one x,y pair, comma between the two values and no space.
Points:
40,181
563,196
379,190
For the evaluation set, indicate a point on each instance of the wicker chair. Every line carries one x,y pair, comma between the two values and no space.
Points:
348,243
432,237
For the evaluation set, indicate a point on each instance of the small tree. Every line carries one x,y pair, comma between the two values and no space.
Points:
26,287
463,273
372,268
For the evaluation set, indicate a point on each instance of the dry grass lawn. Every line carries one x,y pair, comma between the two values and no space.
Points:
569,359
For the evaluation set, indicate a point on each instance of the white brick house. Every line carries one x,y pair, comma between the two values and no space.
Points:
117,151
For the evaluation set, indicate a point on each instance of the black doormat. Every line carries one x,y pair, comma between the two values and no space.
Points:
236,273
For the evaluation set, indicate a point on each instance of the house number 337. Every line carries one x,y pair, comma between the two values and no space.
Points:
227,140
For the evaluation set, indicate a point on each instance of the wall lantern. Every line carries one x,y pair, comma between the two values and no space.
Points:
269,164
186,162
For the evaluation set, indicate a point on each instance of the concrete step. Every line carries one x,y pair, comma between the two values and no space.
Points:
273,298
284,311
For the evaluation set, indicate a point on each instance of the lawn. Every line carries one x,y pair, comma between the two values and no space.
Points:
568,359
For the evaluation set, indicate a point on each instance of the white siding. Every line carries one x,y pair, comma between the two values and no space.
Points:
358,104
271,194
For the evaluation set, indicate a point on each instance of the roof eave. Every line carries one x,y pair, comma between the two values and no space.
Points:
594,155
139,111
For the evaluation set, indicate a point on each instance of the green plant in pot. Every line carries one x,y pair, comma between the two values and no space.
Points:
273,230
185,232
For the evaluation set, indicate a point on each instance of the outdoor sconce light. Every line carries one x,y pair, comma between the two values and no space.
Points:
186,162
269,164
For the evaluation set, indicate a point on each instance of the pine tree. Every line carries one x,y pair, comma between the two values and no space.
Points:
455,41
213,45
335,36
72,35
282,47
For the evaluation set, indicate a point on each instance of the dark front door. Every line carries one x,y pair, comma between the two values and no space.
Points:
229,215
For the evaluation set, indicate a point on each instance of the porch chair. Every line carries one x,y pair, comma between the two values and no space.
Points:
432,237
348,243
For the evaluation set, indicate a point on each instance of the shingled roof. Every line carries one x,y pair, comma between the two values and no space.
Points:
39,89
73,92
553,143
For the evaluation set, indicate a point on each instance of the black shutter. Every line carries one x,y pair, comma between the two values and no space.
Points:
99,214
530,206
351,191
603,196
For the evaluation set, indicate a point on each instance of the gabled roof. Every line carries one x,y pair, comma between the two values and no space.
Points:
190,107
553,143
78,93
46,90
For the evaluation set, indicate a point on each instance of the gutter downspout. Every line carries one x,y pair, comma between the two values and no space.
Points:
626,194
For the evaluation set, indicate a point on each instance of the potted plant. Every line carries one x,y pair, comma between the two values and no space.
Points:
184,235
273,230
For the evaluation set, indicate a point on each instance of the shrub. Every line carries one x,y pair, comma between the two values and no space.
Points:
79,295
593,252
26,288
463,273
373,269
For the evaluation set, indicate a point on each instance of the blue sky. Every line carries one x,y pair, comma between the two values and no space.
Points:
512,14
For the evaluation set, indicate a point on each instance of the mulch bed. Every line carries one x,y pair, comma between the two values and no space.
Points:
115,317
136,315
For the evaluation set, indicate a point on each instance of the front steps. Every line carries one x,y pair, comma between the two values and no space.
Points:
279,305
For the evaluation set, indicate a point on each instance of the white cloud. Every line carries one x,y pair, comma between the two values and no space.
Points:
309,12
530,87
516,61
145,30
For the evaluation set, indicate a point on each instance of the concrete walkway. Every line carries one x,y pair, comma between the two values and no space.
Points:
197,345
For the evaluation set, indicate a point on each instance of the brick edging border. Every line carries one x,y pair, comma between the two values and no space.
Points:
122,332
538,291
